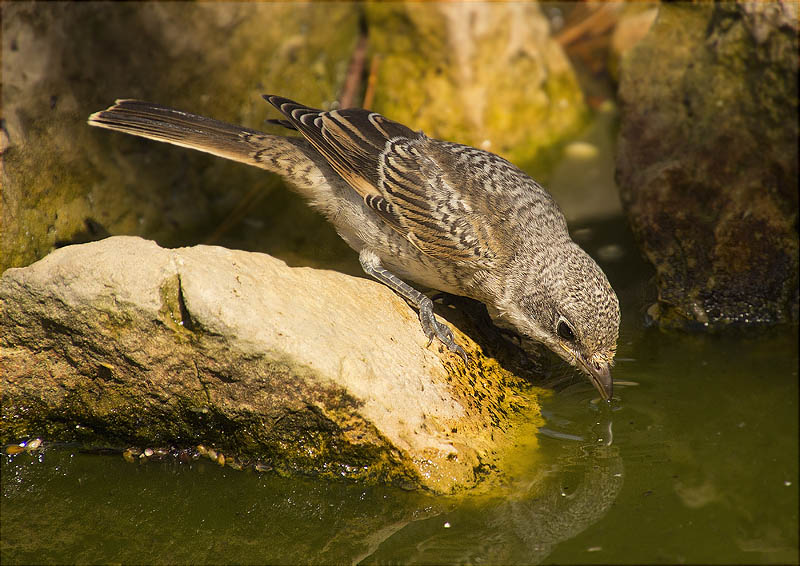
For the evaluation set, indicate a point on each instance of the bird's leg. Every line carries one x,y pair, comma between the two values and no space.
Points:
372,266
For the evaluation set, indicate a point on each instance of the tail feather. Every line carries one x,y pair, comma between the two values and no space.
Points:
291,157
161,123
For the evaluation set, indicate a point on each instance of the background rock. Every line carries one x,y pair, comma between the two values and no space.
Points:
309,371
707,161
64,182
484,74
635,21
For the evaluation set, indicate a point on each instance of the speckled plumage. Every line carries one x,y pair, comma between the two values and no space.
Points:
448,216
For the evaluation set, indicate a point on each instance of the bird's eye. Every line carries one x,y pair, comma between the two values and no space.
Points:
565,331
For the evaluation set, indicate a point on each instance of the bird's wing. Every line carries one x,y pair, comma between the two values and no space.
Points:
385,162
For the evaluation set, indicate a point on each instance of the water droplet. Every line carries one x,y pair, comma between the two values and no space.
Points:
594,549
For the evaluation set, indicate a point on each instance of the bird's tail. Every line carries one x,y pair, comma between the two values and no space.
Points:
148,120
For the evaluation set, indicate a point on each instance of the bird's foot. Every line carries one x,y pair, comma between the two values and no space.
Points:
434,328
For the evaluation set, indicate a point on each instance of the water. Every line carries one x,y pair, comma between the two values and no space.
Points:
696,461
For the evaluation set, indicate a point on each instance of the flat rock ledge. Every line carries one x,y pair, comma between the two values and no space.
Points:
124,343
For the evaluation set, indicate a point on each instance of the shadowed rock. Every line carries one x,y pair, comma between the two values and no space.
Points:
707,161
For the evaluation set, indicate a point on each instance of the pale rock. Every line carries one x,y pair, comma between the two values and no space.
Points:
311,371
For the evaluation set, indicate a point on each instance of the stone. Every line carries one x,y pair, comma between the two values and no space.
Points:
707,161
634,23
484,74
65,182
125,343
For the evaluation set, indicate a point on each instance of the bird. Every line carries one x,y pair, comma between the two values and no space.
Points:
446,216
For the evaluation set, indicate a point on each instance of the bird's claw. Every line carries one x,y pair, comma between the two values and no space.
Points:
434,328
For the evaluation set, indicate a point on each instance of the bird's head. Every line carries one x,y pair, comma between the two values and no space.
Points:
565,302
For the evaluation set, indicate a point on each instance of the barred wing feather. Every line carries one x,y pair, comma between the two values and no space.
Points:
386,163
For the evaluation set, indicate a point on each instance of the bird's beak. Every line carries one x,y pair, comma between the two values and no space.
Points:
600,377
599,374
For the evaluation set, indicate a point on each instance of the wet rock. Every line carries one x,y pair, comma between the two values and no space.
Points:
707,161
306,371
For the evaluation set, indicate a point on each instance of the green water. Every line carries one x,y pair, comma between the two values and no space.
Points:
696,461
701,467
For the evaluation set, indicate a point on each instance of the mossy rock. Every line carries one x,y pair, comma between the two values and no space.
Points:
707,162
65,182
487,75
